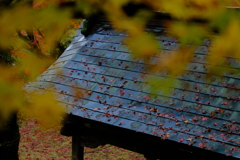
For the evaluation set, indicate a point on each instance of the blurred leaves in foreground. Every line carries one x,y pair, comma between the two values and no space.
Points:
44,108
31,38
32,32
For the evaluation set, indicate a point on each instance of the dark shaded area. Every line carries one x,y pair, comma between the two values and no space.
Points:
132,8
89,25
5,3
5,57
9,139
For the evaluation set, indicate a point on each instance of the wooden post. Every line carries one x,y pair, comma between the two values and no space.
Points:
77,149
150,158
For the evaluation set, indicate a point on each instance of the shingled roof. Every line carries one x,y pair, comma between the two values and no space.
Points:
206,114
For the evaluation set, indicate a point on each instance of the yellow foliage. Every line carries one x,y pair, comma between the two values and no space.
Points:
188,33
44,108
135,27
149,46
33,66
176,61
51,19
46,15
54,22
226,44
19,18
11,94
89,7
162,86
186,9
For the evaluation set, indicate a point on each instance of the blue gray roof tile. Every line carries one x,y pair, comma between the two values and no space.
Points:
117,91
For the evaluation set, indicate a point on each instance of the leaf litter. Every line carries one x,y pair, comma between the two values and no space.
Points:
39,143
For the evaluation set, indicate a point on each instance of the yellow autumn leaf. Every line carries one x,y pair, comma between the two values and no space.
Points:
175,62
32,66
44,107
226,44
188,33
11,94
149,45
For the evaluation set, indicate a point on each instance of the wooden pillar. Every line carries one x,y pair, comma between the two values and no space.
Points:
77,149
149,158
